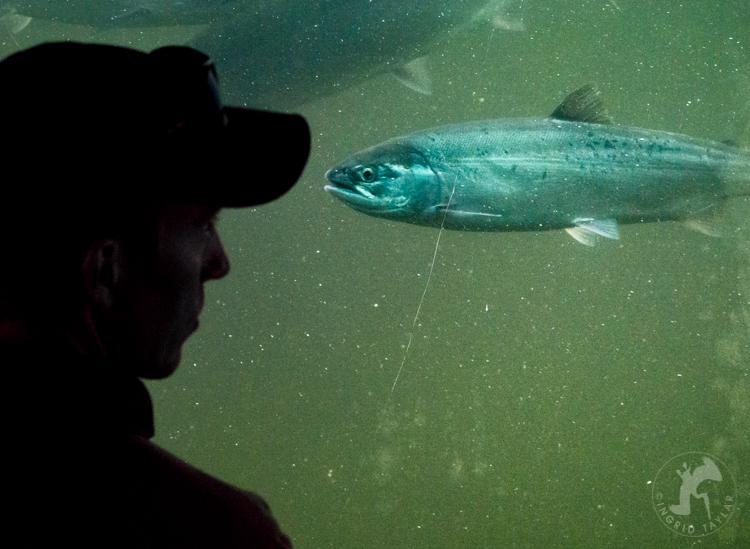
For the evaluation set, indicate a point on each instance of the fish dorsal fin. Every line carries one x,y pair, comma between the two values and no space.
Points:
583,105
415,75
13,22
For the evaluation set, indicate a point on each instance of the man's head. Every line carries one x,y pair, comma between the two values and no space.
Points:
143,294
122,160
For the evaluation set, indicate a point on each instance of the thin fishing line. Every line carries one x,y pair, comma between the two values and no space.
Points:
427,285
406,352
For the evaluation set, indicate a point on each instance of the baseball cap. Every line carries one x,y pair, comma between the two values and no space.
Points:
83,120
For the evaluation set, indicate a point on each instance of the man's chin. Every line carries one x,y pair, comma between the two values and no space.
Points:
162,368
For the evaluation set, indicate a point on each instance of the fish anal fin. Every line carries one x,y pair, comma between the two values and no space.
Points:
704,226
706,219
583,105
415,75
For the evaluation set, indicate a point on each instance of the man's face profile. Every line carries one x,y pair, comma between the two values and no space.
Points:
157,296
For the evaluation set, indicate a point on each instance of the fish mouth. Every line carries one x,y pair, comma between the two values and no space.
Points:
353,198
367,202
349,193
342,180
358,197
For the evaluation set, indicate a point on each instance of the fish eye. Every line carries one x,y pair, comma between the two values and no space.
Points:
368,174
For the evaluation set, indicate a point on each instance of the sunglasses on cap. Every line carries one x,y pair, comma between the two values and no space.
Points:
191,84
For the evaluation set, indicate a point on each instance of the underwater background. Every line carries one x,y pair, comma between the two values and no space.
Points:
546,383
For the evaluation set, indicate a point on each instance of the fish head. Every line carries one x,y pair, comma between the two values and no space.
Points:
393,180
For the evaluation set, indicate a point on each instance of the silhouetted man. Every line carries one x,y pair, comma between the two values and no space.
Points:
116,165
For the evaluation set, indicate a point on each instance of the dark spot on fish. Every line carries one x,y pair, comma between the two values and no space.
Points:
608,144
544,175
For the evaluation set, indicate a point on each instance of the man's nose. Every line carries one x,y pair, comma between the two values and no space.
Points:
217,262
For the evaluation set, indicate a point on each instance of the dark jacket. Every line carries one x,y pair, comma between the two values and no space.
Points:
80,467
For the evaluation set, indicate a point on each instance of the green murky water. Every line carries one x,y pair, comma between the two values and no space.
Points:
546,383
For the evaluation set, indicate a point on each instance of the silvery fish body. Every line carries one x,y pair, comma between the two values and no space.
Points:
279,54
283,54
570,171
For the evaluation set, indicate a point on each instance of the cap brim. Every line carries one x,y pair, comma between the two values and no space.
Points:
268,149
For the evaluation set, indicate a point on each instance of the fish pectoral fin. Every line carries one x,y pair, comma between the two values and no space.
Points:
587,229
415,75
583,105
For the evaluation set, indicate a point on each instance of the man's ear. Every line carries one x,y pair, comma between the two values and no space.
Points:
102,271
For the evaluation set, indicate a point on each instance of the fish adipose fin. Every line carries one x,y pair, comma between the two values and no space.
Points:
583,105
586,230
415,75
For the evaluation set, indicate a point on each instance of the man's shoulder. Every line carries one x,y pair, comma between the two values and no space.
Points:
164,498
